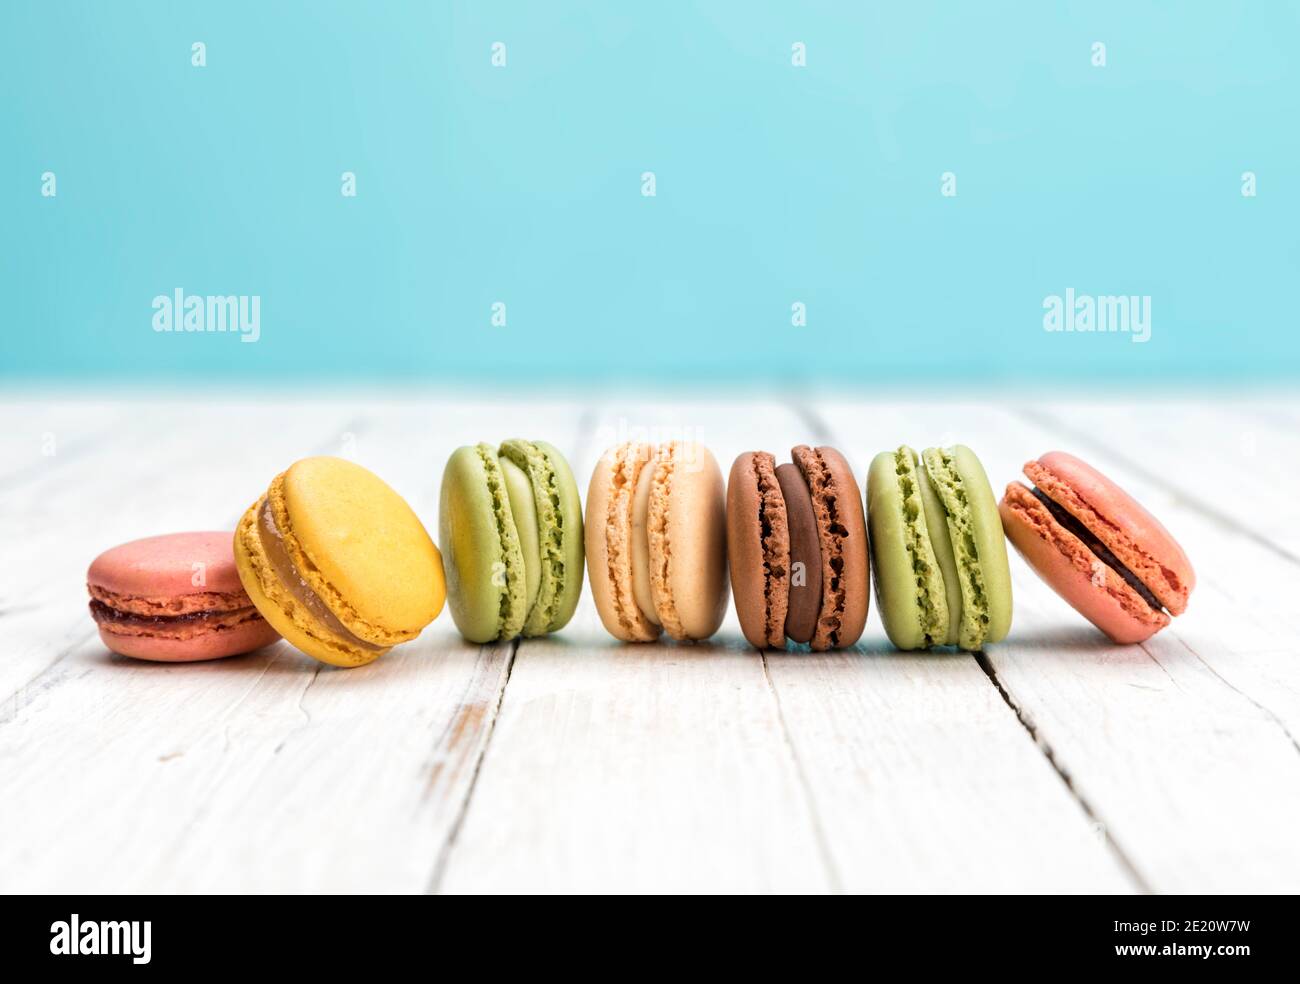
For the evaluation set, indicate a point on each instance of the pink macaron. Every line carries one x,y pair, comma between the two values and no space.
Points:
174,598
1097,547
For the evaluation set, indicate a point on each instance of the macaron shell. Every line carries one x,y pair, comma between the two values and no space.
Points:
804,601
1066,564
758,549
171,566
688,540
905,564
842,527
559,519
608,536
1133,535
990,540
175,598
486,580
360,548
244,638
277,605
979,546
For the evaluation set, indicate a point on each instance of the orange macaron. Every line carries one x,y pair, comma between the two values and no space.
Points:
656,541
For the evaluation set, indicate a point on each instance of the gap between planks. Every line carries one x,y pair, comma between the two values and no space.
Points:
1046,417
1165,816
1126,862
833,877
462,808
586,426
822,431
819,838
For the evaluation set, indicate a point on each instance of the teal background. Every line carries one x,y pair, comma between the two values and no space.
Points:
775,184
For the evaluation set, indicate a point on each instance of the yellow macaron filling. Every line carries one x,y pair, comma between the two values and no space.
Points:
290,577
284,599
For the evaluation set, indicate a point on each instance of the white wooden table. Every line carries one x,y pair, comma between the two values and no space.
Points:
1056,762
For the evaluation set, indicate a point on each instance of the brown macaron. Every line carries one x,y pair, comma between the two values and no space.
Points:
797,549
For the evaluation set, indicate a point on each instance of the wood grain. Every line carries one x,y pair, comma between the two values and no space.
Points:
1182,748
1057,762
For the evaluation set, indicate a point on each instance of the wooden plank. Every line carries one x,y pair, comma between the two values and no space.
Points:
636,769
925,782
1182,748
269,776
381,759
39,435
924,779
648,768
1237,624
669,768
163,466
266,772
1256,440
625,768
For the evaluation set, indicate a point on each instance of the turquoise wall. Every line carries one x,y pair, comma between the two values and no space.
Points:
775,184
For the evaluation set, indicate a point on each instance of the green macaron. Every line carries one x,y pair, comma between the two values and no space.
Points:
937,547
510,527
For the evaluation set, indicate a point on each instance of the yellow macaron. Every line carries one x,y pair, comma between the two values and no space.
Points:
338,562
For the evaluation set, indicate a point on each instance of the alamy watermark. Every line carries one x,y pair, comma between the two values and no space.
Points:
1107,313
179,311
129,938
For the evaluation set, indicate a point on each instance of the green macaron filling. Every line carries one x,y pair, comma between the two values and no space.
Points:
936,524
528,458
946,481
523,510
931,601
512,579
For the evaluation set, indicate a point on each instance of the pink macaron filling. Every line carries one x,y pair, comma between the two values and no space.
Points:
174,598
1097,547
1093,543
186,626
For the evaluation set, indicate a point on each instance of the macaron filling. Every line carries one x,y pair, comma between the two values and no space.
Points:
931,600
1145,549
287,573
627,466
831,534
203,602
948,579
947,483
548,518
804,597
185,626
660,549
512,579
1099,549
523,512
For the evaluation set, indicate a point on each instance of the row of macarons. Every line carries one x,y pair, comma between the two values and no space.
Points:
334,560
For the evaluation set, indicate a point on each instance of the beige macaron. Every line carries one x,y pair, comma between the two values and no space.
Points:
656,541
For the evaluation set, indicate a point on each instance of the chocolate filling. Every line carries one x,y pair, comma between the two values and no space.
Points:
282,564
831,534
805,593
1064,517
